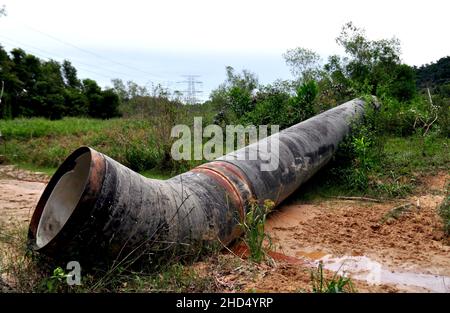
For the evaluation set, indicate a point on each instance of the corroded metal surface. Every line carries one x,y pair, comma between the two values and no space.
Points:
121,212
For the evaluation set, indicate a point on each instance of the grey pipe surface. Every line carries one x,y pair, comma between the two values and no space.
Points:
96,208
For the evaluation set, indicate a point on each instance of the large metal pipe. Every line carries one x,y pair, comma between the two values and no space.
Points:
96,208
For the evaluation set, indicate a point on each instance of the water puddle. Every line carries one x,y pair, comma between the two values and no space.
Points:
364,268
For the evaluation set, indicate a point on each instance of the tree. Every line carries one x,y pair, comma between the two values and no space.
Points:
48,92
70,75
403,87
304,100
272,106
236,92
434,74
372,63
94,97
246,80
101,104
34,87
110,104
10,83
76,102
27,68
120,89
304,63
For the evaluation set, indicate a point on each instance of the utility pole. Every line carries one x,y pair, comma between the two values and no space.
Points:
190,94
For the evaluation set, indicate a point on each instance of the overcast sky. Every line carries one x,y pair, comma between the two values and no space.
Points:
159,41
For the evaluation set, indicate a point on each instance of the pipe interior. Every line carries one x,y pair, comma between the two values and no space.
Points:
63,200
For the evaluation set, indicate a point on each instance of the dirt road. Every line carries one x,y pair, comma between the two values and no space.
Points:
383,250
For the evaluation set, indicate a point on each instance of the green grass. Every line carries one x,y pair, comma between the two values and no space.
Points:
156,174
142,145
405,155
41,143
337,284
28,271
153,173
33,168
253,225
173,278
396,213
40,127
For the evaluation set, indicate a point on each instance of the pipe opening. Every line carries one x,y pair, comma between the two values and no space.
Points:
63,199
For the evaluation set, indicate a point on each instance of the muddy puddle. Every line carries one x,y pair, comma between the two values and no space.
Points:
408,252
375,273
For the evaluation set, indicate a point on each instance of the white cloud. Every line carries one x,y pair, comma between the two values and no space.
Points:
231,26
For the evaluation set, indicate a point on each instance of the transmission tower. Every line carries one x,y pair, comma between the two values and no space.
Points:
190,94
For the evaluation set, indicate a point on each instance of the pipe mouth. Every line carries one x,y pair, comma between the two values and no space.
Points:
63,199
67,190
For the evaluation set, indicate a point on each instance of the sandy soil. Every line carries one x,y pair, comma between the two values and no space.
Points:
365,232
403,251
19,192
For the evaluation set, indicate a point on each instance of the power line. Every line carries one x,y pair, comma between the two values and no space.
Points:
191,91
58,56
87,70
55,56
90,52
83,68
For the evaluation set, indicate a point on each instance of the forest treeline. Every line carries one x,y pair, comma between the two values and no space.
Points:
368,67
35,87
434,74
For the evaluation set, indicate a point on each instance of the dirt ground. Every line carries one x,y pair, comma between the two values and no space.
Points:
381,249
19,192
407,252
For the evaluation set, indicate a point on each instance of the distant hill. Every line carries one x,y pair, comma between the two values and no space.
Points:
434,74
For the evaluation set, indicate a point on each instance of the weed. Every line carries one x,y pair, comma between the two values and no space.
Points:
56,281
18,266
396,212
24,271
337,284
392,189
253,227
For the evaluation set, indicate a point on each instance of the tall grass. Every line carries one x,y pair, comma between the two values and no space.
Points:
337,284
141,144
22,128
253,225
136,143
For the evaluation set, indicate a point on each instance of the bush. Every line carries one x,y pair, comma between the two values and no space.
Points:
305,99
403,86
272,107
